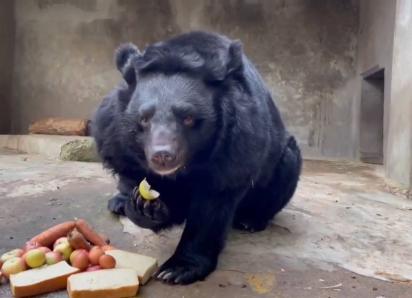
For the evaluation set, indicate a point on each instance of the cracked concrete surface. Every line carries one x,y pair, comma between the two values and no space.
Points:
344,234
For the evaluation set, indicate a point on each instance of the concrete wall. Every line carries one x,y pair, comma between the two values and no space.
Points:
6,63
375,48
385,40
305,50
399,139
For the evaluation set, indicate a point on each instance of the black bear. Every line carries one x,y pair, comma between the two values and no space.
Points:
194,117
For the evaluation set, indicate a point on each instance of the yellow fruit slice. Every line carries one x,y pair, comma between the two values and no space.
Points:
146,192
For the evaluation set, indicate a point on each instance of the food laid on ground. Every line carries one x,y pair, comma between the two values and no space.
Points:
94,255
93,268
13,266
144,266
50,236
35,258
53,258
77,241
65,249
107,262
50,258
89,233
105,238
11,254
31,245
147,192
75,253
81,261
108,247
42,280
110,283
61,240
45,249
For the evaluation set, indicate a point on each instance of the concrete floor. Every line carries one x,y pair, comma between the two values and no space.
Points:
346,233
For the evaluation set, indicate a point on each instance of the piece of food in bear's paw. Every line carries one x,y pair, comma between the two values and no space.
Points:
146,192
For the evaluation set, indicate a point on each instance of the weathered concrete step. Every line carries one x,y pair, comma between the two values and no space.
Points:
72,148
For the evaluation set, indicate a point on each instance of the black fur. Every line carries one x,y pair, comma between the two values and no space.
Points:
237,163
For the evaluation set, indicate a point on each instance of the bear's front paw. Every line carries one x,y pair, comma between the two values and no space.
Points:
117,204
185,269
147,214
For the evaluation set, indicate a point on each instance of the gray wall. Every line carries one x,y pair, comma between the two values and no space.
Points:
375,48
385,40
305,50
6,63
399,139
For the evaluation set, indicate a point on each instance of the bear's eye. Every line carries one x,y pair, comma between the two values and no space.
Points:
188,121
145,121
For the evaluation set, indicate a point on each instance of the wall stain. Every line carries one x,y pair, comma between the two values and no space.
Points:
86,5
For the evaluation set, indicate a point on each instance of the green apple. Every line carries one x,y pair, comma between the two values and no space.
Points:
13,266
60,241
11,254
64,249
35,258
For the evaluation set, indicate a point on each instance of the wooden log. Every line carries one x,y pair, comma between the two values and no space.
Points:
58,126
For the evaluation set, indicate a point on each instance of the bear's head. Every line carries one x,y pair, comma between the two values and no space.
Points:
174,114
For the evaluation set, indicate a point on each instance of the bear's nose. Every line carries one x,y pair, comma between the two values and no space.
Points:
163,155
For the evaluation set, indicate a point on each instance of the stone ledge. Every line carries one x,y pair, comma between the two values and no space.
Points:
70,148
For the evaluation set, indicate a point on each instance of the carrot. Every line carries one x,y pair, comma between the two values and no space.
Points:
108,247
105,238
89,233
77,240
49,236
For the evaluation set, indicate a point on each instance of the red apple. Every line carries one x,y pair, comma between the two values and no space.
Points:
35,258
45,249
13,266
53,258
31,245
65,249
93,268
60,241
75,253
11,254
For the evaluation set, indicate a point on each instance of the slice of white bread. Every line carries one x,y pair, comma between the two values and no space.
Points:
143,265
109,283
41,280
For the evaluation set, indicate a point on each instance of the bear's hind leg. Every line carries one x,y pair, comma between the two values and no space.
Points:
261,204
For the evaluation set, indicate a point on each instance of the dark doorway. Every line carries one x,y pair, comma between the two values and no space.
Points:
371,121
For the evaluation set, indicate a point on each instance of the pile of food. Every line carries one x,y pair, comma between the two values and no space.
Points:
73,256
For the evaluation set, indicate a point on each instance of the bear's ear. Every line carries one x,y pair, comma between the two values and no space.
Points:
227,64
125,55
235,63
